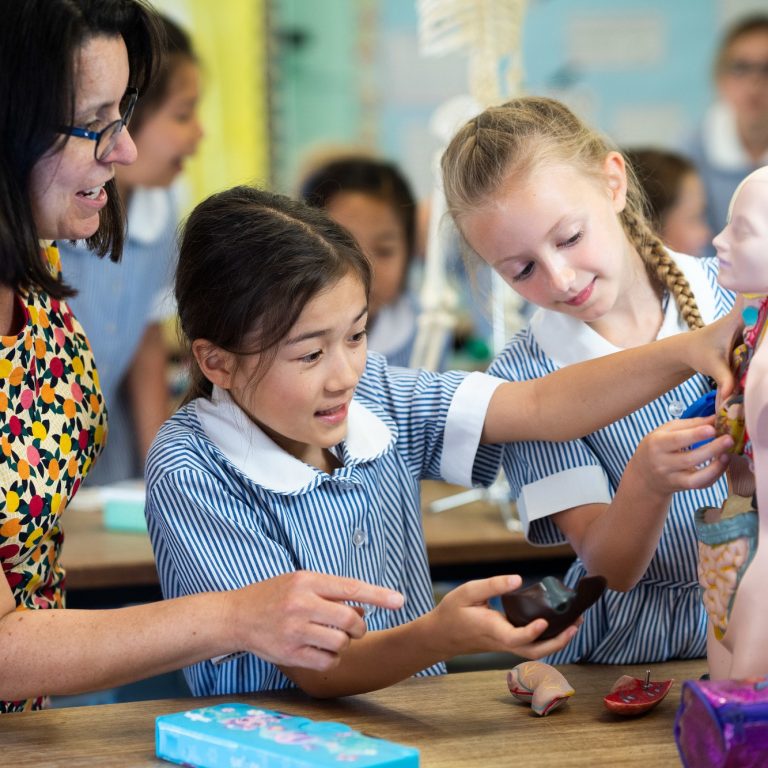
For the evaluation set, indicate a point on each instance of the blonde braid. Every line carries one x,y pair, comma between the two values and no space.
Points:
663,272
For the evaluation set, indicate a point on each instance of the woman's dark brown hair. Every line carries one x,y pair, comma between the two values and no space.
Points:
39,41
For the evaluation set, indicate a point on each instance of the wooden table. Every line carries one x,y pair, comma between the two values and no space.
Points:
460,542
96,558
456,721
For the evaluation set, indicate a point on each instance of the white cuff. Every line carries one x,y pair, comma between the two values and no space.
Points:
464,426
563,490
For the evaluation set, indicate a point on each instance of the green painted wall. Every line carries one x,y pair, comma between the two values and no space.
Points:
317,79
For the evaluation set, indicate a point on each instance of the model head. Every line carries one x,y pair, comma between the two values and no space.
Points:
742,246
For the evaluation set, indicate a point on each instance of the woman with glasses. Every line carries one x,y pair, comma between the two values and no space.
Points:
122,306
66,70
732,140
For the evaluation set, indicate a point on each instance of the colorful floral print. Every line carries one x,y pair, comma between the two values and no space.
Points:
52,427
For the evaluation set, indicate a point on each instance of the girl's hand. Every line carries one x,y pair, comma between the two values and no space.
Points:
464,623
665,464
302,619
708,350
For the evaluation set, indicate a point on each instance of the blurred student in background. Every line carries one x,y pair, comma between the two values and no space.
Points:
732,140
676,198
122,306
372,199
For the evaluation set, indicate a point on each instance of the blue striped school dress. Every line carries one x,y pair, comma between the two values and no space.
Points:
663,616
227,507
115,303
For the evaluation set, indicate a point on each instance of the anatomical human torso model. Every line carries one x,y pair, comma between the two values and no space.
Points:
733,540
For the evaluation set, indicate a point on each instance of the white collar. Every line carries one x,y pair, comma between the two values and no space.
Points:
567,340
148,212
722,145
263,461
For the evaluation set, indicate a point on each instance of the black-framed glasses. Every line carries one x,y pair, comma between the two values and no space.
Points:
106,139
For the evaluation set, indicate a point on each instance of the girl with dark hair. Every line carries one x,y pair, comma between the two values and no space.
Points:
122,307
298,449
69,72
373,200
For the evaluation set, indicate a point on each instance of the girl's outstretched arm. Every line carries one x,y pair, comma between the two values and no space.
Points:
461,623
585,397
298,618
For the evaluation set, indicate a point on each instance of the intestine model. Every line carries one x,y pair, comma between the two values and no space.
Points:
540,685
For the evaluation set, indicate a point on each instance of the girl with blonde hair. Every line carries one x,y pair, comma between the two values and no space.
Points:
557,211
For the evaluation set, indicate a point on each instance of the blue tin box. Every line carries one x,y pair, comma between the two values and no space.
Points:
243,736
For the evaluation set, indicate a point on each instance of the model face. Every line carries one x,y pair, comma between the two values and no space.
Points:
744,82
380,233
742,247
67,184
557,240
302,402
168,135
685,227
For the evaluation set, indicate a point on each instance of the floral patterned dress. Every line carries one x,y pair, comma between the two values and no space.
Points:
52,427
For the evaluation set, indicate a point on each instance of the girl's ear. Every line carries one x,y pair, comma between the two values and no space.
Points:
217,365
616,175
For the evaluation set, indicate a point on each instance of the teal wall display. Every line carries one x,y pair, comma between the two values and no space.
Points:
316,63
640,70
